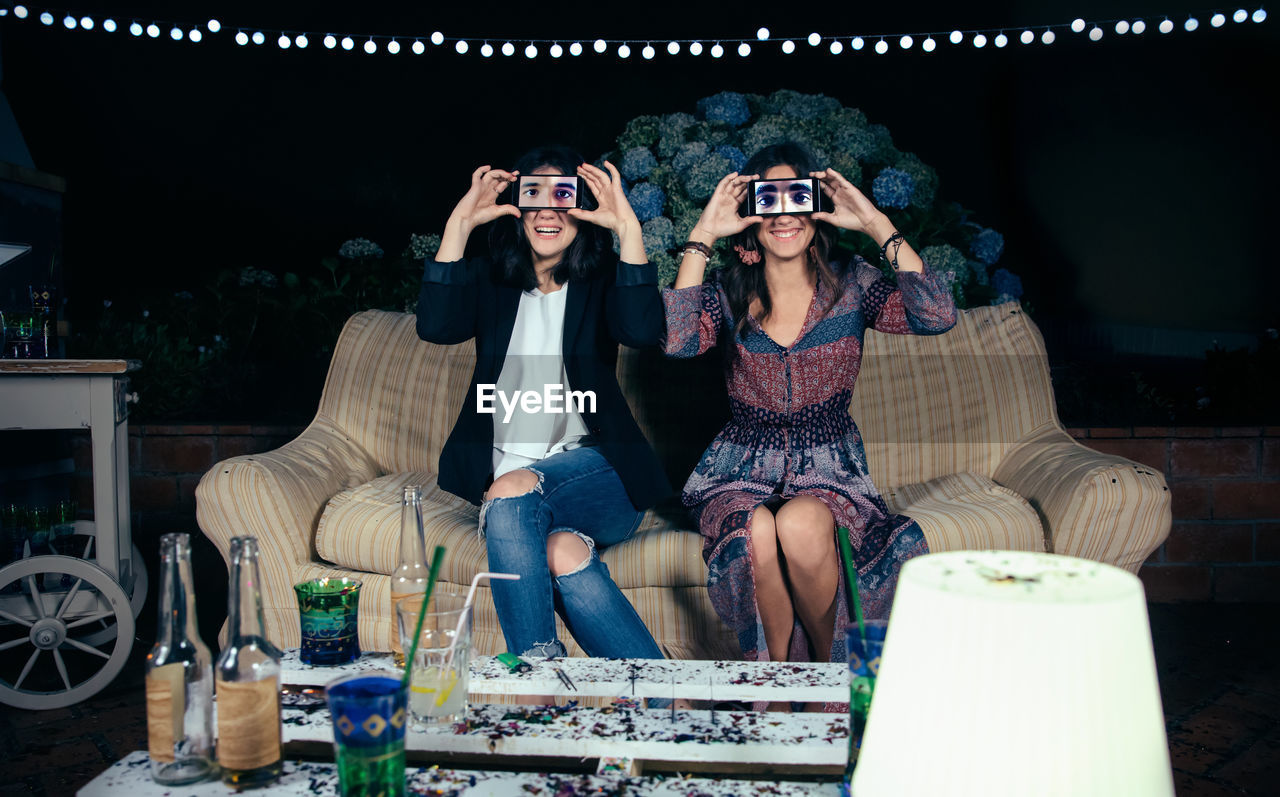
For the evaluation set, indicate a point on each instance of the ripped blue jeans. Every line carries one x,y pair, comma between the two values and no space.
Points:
577,491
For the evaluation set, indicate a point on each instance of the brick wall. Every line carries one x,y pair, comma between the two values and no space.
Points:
1225,485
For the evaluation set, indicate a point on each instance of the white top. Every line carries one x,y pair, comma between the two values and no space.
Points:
534,415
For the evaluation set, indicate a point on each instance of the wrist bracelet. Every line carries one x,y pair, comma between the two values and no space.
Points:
896,240
699,247
699,252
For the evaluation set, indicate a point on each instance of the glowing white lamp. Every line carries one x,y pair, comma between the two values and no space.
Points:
1019,673
418,47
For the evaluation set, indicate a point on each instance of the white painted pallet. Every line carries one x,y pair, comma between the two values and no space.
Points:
695,680
132,776
734,737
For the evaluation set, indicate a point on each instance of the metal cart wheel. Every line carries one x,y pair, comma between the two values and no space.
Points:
51,604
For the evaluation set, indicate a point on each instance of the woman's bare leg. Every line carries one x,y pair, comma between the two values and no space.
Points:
806,534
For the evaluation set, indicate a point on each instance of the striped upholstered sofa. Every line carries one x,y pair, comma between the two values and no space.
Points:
961,433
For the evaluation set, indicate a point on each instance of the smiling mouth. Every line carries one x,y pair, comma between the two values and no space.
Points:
546,232
785,234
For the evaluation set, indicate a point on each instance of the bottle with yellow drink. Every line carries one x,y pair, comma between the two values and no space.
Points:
410,576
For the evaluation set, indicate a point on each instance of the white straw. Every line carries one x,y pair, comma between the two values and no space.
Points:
466,607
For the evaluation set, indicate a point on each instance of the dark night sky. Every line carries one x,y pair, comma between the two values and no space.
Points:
1132,178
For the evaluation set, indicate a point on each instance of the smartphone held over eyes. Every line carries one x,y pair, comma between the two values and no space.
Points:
791,195
547,191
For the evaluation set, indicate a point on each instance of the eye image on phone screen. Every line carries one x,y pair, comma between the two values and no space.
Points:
554,191
776,197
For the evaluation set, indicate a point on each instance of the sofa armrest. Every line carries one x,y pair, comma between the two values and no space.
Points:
1093,505
278,496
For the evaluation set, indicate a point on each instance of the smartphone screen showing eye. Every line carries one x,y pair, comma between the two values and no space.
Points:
548,191
793,195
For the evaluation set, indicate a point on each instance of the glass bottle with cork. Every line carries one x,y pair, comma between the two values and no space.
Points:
179,677
413,572
248,679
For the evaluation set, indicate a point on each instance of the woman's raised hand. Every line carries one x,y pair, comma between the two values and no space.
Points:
720,217
480,204
853,211
613,211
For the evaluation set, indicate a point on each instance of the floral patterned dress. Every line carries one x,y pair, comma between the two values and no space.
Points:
790,434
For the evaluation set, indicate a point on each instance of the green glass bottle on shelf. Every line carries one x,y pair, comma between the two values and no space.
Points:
411,575
248,678
179,677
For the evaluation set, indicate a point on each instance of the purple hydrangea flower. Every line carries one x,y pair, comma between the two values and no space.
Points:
647,200
735,156
1008,286
987,246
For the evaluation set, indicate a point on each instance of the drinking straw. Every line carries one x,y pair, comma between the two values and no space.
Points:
851,580
471,596
437,556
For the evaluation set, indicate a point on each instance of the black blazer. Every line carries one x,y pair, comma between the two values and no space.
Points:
620,304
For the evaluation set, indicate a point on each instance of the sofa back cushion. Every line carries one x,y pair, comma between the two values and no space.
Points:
396,395
929,406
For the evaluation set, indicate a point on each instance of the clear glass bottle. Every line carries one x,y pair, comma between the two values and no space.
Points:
248,678
410,576
179,676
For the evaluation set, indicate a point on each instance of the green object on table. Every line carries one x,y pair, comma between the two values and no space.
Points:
437,557
851,579
370,714
865,647
328,612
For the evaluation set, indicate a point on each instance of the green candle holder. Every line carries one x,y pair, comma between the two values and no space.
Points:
328,611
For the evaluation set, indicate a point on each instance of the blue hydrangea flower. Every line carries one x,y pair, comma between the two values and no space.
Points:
1007,284
892,188
360,247
659,235
764,133
636,163
734,155
701,180
727,106
803,106
646,200
946,259
856,140
987,246
689,155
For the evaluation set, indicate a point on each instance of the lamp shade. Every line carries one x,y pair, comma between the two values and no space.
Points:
10,251
1015,673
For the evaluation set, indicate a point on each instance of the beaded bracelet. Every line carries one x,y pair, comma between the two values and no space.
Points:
897,240
698,247
699,252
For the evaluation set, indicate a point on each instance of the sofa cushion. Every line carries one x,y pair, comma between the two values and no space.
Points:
968,511
360,529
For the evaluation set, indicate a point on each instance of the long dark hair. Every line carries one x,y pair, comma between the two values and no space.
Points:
743,282
509,247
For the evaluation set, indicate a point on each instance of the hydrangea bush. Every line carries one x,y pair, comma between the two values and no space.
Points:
670,165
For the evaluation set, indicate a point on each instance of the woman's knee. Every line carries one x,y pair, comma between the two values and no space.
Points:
512,484
567,553
764,536
804,526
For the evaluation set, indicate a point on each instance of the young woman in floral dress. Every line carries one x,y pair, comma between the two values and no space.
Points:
789,468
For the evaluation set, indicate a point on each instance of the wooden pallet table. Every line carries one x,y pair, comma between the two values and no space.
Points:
131,775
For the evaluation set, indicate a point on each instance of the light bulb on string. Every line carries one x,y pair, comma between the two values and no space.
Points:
836,47
979,41
486,49
330,41
109,25
1077,25
284,42
508,49
744,50
1218,20
600,46
153,30
882,47
648,52
1122,27
1260,15
905,42
46,18
556,50
673,48
762,34
788,47
393,47
214,26
929,45
20,12
530,51
814,40
418,47
176,33
258,37
371,46
1138,27
1026,37
1240,16
1166,26
69,22
1191,24
1001,40
301,41
1047,37
1095,34
348,43
575,48
695,48
86,23
956,37
195,35
242,38
858,43
437,37
624,51
716,50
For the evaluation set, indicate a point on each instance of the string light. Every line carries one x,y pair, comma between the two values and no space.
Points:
906,41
